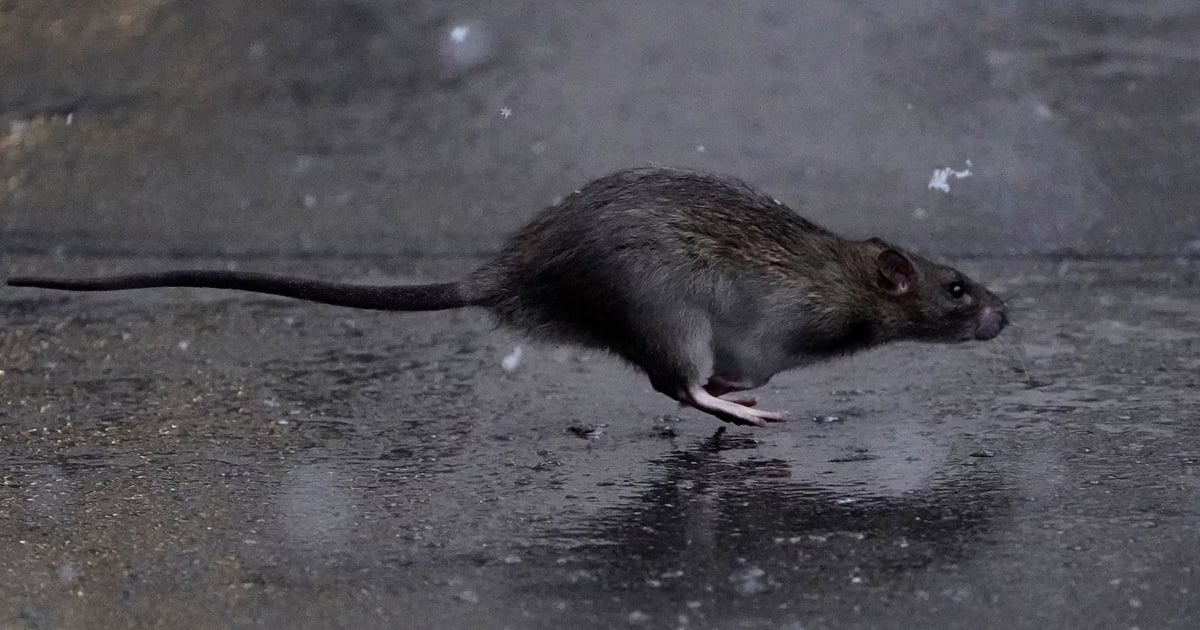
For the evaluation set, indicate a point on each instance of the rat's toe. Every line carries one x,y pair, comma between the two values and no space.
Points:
770,416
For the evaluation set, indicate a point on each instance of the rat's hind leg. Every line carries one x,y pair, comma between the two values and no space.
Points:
676,353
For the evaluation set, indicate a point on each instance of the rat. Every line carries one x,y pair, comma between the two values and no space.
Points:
705,284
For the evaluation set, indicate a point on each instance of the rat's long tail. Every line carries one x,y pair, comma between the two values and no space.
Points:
421,297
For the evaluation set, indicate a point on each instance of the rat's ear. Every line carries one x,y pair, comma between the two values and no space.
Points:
896,271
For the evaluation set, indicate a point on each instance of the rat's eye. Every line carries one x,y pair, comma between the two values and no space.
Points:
957,289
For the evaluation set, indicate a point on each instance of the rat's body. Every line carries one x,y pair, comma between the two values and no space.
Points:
706,285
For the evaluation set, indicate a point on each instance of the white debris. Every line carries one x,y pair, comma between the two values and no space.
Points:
941,177
184,345
465,46
511,362
749,581
505,112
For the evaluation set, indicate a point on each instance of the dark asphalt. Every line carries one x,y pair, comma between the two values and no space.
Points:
340,126
200,459
203,459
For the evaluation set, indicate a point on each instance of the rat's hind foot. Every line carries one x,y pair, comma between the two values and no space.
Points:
728,410
721,388
745,402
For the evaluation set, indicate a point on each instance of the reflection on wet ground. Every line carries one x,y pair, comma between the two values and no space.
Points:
198,458
711,541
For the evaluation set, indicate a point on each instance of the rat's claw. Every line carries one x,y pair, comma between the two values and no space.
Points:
742,422
771,416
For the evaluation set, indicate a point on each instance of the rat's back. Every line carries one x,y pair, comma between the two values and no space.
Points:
648,238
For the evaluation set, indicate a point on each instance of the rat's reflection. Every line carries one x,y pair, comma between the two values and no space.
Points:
709,524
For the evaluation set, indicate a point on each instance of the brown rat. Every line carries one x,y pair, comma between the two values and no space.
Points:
703,283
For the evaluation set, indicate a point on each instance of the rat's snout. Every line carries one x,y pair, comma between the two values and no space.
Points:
991,321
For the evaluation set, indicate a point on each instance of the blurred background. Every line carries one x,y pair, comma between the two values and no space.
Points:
379,127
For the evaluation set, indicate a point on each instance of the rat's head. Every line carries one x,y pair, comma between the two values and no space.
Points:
925,301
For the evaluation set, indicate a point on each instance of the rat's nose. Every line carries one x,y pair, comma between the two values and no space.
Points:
991,321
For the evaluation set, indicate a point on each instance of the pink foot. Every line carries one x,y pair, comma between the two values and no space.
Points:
728,410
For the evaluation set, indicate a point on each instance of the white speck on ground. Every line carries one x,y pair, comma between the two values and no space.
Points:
459,33
513,360
749,581
941,177
505,113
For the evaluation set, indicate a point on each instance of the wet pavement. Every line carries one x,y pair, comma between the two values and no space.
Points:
375,126
185,458
200,459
